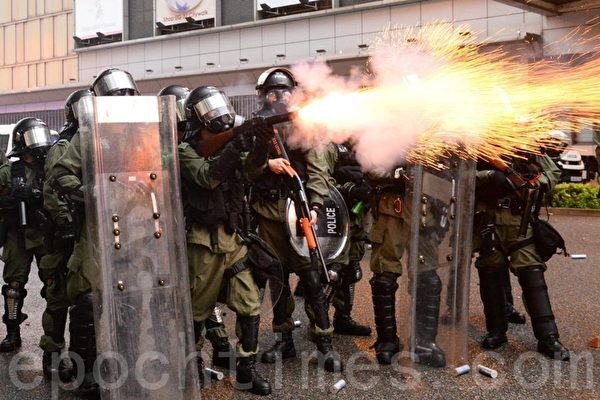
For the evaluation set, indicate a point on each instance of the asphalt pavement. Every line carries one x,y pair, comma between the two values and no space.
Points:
574,286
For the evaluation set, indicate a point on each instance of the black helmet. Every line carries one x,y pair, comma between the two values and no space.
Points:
275,78
30,134
211,107
114,82
275,87
70,111
180,93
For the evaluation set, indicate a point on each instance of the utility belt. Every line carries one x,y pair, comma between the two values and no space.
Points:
512,203
270,195
381,189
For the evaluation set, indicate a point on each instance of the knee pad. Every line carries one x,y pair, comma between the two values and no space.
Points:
385,282
430,281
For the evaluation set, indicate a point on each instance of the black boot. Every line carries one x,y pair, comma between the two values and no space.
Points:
83,344
13,317
343,302
429,289
283,304
494,303
53,365
317,309
283,348
343,325
246,376
223,353
383,289
327,358
512,315
537,304
198,328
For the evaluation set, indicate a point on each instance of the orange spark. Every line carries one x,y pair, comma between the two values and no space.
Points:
435,91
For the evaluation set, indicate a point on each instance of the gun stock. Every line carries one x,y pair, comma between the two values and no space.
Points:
514,178
301,200
210,145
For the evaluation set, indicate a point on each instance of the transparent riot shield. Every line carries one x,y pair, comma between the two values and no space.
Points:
333,226
439,261
142,306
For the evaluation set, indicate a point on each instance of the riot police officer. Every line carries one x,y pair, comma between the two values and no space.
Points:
501,207
65,176
270,193
389,238
215,329
350,181
21,198
59,239
213,194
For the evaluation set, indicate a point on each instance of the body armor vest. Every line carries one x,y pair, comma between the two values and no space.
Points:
213,207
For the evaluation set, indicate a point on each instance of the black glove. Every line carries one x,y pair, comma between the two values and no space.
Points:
242,142
224,165
360,192
264,134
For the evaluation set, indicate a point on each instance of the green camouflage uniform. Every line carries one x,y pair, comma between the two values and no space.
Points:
507,223
22,245
209,261
272,226
53,266
65,175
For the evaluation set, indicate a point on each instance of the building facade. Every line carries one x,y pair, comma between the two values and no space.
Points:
235,40
36,54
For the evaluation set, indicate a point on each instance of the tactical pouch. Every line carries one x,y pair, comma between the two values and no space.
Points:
547,240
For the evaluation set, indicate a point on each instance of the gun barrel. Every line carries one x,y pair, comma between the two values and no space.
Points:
280,118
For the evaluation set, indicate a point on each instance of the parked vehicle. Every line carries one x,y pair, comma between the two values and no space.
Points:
567,159
572,167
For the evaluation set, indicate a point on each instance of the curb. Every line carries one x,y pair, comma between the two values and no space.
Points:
576,212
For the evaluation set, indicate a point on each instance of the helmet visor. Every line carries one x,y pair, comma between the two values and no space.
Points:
213,107
116,83
279,96
37,136
180,110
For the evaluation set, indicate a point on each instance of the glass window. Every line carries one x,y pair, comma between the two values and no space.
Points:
54,74
32,40
60,35
20,42
9,44
19,10
47,38
41,74
53,6
70,71
20,77
32,68
5,11
5,79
